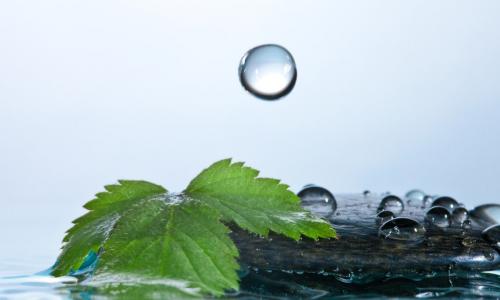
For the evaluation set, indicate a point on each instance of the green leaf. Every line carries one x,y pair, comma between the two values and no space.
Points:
92,229
140,230
255,204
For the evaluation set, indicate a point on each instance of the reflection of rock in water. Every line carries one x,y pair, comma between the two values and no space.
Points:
415,241
280,285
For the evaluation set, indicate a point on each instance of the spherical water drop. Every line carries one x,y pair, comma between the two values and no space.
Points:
438,216
460,215
402,229
446,202
318,200
489,213
492,234
268,71
391,203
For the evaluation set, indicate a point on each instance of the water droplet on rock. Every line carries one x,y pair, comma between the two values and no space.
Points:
447,202
427,201
488,213
402,229
268,71
438,216
391,203
467,224
415,195
318,200
492,234
460,215
384,216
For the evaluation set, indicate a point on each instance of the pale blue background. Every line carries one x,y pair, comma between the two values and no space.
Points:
390,95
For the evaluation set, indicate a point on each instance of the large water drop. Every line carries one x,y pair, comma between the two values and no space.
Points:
438,216
488,213
447,202
318,200
268,71
402,229
391,203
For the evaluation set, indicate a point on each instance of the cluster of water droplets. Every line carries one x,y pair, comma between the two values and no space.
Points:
441,212
392,225
269,72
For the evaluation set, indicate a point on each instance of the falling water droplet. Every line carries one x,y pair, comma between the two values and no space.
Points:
488,213
268,71
402,229
384,216
447,202
492,234
318,200
438,216
460,215
391,203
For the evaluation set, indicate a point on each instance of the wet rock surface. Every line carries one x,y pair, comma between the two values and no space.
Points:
362,253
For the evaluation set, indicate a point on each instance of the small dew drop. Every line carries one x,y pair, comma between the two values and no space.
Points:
268,71
467,224
438,216
415,196
384,216
427,201
318,200
447,202
402,229
391,203
460,215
